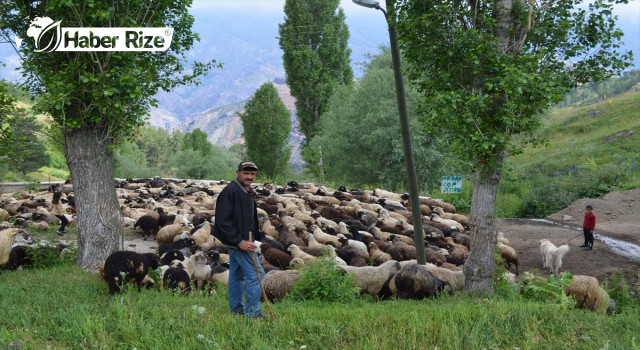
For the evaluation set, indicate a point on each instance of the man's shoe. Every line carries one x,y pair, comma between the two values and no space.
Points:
61,233
583,246
588,249
259,316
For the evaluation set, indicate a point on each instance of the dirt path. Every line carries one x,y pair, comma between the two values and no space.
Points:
618,219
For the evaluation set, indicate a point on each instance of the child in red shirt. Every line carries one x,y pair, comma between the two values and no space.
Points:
588,225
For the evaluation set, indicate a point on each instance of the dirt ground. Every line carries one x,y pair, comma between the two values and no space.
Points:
617,237
618,217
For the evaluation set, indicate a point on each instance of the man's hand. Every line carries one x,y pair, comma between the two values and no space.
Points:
247,246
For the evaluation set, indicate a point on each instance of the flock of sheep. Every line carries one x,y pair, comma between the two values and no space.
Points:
368,233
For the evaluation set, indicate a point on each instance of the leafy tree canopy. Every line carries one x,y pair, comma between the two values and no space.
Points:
487,71
267,123
314,40
360,143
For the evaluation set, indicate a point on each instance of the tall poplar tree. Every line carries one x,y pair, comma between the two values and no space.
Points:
98,98
487,70
267,124
316,56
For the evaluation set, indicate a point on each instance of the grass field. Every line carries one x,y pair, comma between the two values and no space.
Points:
65,307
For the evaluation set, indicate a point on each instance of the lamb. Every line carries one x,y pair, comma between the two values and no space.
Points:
415,281
588,294
176,279
552,255
278,283
125,266
148,224
371,279
509,255
201,271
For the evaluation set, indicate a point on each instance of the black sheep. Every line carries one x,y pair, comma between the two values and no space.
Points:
125,266
177,279
148,224
171,255
414,281
165,219
177,245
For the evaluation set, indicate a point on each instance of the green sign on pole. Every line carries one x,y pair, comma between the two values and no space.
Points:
451,184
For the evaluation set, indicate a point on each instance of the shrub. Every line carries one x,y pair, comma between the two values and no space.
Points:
619,290
321,281
550,290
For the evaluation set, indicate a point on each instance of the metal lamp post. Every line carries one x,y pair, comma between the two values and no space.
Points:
404,129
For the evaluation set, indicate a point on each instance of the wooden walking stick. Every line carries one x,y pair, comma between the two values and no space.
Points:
264,294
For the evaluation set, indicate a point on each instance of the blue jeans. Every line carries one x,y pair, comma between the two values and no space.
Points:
244,287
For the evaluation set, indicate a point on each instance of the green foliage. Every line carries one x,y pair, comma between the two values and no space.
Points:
49,255
360,143
497,71
109,88
267,123
314,38
156,152
550,290
591,93
619,290
575,164
321,281
197,141
10,139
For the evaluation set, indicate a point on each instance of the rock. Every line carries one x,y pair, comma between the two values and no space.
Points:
567,218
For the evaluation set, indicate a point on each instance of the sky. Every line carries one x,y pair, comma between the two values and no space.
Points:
628,21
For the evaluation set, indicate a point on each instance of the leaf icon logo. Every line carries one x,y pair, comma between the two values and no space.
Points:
46,33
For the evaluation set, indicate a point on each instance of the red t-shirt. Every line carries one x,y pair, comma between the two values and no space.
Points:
589,220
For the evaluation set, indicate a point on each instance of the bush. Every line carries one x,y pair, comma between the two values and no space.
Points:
50,255
550,290
621,293
321,281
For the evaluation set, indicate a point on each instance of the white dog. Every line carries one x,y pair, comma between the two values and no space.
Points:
552,255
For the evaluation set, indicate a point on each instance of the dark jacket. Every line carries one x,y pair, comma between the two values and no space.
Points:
236,215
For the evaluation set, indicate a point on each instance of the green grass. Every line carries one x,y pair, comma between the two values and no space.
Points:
591,151
65,307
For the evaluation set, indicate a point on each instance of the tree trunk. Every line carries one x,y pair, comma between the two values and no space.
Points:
480,265
99,228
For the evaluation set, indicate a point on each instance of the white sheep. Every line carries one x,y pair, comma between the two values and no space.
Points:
448,222
324,238
359,246
509,255
371,279
296,252
378,256
278,283
588,294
